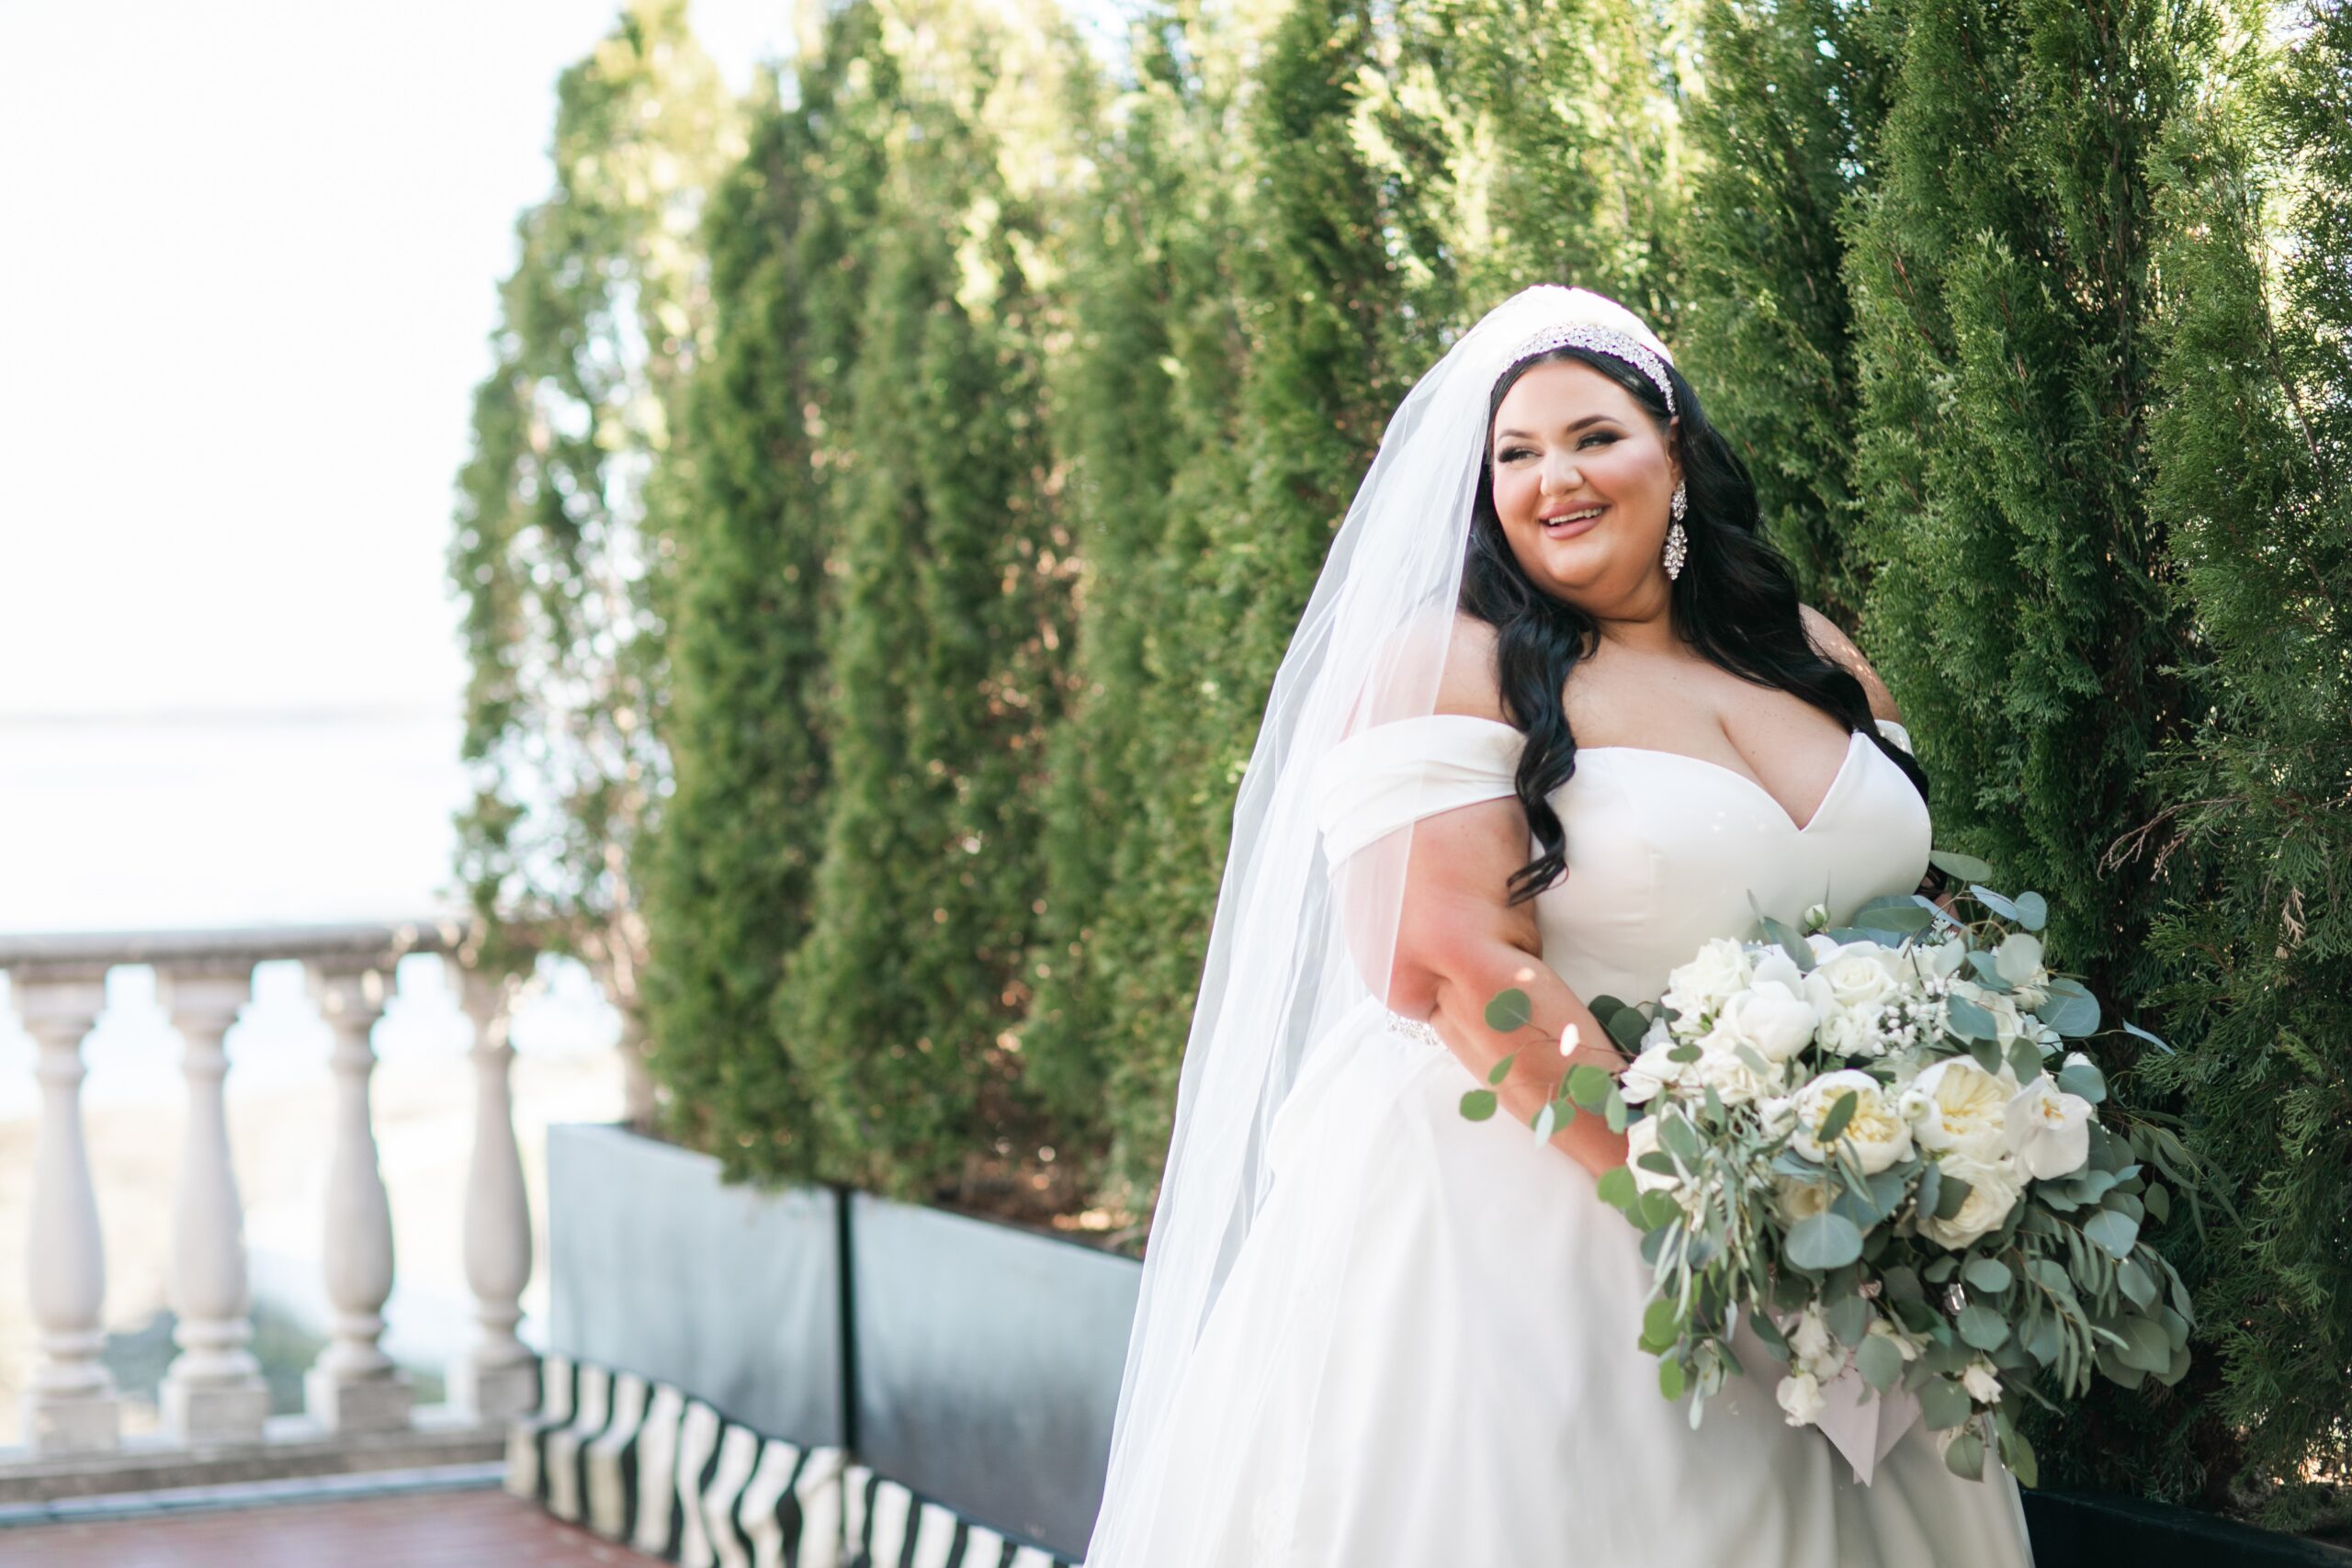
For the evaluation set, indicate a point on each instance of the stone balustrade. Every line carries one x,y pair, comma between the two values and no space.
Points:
212,1394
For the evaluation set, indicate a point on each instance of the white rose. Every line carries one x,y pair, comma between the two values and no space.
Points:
1993,1191
1857,976
1651,1073
1876,1135
2049,1130
1779,1114
1720,968
1814,1346
1958,1105
1801,1200
1768,1017
1800,1397
1734,1081
1983,1381
1641,1139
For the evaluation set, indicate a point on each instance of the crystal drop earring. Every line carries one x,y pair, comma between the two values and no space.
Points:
1677,541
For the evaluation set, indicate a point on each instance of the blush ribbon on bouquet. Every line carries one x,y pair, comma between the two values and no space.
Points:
1862,1423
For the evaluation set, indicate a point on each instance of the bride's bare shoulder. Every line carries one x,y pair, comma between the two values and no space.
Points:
1470,683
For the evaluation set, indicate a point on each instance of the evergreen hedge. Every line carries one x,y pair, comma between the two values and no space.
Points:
1037,385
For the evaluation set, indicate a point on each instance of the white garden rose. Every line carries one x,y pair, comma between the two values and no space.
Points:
1957,1105
1983,1381
1994,1187
2048,1129
1732,1079
1800,1397
1876,1135
1641,1139
1768,1017
1700,986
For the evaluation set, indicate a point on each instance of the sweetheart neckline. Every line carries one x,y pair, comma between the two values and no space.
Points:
1821,808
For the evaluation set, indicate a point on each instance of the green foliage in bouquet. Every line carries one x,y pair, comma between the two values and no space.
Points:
1873,1144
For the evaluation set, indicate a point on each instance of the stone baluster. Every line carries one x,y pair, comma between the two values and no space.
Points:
212,1392
70,1405
496,1378
354,1386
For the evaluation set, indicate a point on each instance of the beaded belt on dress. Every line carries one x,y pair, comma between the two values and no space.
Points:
1415,1029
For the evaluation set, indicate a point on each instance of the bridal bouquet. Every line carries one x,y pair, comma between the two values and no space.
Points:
1876,1145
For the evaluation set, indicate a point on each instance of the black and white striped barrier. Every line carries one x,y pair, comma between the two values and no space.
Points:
642,1463
890,1527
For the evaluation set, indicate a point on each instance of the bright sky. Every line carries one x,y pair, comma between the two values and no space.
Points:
251,256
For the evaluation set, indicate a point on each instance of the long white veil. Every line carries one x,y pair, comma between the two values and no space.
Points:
1299,944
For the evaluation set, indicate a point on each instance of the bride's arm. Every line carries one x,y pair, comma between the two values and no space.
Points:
1460,942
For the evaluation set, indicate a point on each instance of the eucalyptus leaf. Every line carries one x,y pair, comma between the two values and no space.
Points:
2025,1059
1661,1325
1995,901
2146,1345
1617,1113
1824,1241
1616,1188
1501,1069
2132,1029
2082,1079
1967,868
1878,1362
1897,914
1588,1086
1478,1104
2072,1011
2018,957
1954,1193
2159,1202
1841,1111
2034,913
1626,1027
1968,1021
1547,1122
1986,1274
1943,1404
1510,1010
2113,1231
2017,1454
1982,1327
2131,1277
1669,1378
1849,1319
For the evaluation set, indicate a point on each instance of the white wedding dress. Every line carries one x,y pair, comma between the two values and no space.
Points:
1478,1397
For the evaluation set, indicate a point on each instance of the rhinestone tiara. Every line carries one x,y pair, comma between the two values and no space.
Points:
1604,340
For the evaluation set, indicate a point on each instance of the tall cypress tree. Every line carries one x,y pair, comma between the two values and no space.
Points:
554,555
2004,279
731,887
1782,127
898,1006
2002,268
2253,452
1142,406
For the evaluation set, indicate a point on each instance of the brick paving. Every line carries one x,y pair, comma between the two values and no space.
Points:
427,1529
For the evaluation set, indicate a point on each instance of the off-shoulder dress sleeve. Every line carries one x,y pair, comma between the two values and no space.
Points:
1379,779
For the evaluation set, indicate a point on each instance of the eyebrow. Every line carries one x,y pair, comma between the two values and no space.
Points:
1573,424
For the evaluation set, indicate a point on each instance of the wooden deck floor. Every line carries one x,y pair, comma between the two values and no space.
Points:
433,1529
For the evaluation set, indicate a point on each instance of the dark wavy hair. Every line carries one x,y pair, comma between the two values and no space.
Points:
1735,603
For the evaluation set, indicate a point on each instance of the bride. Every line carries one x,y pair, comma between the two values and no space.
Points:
1552,716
